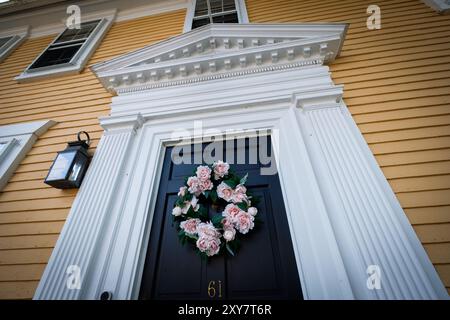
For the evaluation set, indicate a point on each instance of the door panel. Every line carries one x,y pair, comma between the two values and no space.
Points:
263,268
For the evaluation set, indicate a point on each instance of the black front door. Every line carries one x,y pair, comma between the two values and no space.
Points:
263,268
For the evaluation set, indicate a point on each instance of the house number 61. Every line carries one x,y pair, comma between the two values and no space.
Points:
212,289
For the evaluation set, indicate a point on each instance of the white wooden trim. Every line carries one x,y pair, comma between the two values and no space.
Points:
81,57
21,138
19,35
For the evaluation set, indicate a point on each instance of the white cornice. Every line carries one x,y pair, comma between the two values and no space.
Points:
221,51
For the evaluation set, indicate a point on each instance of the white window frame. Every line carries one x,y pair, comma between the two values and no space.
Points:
18,35
240,8
441,6
80,59
19,138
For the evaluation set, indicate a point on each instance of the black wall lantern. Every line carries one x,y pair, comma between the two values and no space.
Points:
70,165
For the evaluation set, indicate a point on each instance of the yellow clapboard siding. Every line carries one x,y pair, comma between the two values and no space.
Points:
18,289
21,272
427,215
397,87
438,252
32,213
420,183
428,169
29,241
444,273
424,198
33,216
32,228
409,145
396,159
407,134
25,256
433,233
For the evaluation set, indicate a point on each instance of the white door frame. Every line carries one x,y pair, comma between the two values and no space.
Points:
341,220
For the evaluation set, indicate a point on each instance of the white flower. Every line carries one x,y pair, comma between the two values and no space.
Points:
229,234
253,211
176,211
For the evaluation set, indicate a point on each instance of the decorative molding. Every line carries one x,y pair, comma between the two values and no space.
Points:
318,98
20,138
219,51
115,123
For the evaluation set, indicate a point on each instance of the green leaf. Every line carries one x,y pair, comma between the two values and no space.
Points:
229,249
242,206
213,195
217,220
231,183
244,179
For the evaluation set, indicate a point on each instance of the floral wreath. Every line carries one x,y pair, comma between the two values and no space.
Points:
227,194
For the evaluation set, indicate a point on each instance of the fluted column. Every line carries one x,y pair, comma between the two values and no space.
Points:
76,247
370,226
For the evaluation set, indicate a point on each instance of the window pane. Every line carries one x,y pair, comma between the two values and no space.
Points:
85,30
226,18
222,5
56,56
201,8
200,22
4,40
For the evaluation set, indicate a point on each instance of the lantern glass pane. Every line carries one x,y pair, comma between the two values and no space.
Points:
76,170
61,166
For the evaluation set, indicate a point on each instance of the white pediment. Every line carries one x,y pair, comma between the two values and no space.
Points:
221,51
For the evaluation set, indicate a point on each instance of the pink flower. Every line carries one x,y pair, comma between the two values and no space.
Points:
230,212
224,191
208,245
193,185
203,173
239,194
207,230
190,226
220,169
244,222
227,223
229,234
205,185
182,191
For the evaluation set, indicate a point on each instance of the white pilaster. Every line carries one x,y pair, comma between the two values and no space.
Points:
370,226
77,245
